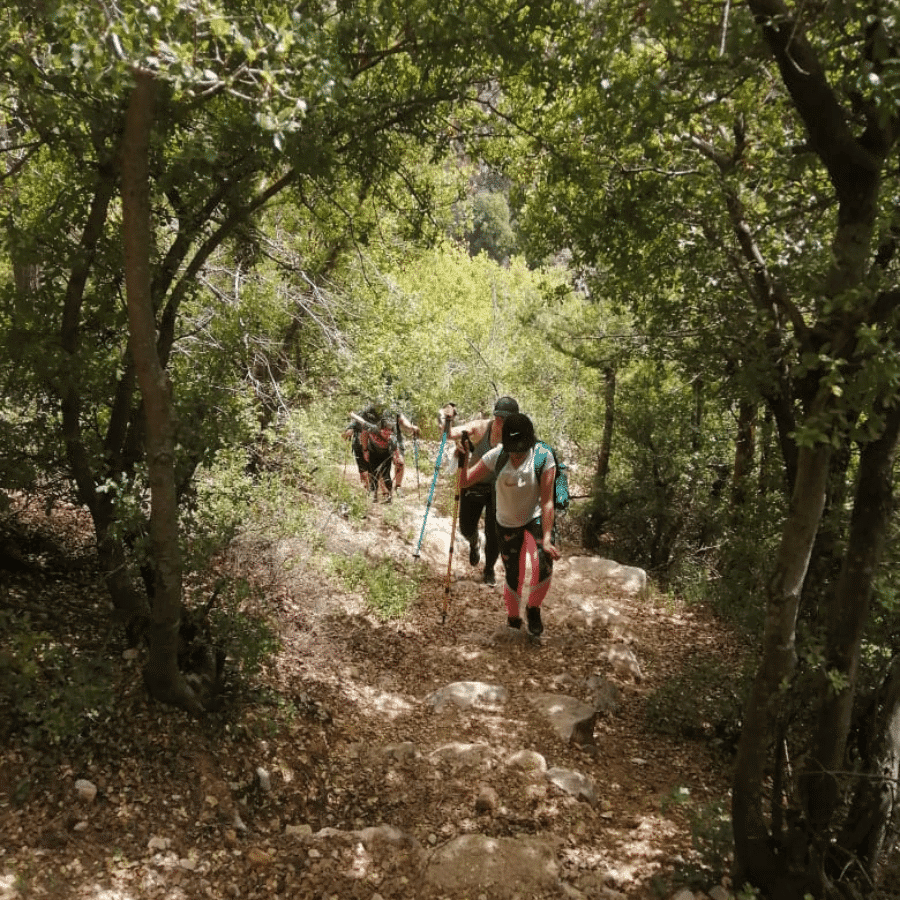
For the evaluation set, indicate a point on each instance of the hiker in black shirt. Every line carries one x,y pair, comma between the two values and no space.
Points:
484,434
353,433
376,414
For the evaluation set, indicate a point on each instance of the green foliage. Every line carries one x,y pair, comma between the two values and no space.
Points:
249,640
468,318
49,694
388,587
491,230
218,507
738,571
665,499
711,837
317,458
885,621
703,702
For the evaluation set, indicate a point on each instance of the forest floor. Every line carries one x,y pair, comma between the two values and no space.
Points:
334,745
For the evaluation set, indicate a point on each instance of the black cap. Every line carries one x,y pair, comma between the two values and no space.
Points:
505,406
518,433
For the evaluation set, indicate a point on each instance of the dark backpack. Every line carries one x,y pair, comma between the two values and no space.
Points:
560,481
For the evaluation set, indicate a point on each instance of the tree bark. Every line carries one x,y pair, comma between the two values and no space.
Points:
697,414
877,796
854,165
755,853
130,605
609,412
162,675
847,616
744,451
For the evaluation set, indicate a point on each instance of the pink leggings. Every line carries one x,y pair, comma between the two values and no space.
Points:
528,567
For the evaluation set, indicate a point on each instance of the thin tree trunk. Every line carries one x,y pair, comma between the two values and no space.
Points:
756,856
163,678
848,613
697,415
744,451
130,605
877,797
609,412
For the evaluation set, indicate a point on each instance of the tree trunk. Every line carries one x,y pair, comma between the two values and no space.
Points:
877,797
130,605
847,616
162,675
744,451
609,397
756,857
697,415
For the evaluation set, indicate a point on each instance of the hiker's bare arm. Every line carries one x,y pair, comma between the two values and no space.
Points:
547,510
476,429
469,476
407,425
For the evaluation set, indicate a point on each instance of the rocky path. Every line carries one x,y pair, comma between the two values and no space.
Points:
495,765
420,758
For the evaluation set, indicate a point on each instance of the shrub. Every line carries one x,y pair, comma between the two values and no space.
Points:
705,702
47,692
389,590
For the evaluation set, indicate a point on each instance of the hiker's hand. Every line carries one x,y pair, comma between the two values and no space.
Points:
551,550
416,431
446,414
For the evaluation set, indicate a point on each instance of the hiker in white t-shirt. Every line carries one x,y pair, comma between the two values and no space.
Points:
525,471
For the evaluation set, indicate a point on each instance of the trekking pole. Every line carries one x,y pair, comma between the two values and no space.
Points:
447,420
459,474
416,455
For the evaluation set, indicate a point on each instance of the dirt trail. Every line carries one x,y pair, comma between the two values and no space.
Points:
337,778
636,835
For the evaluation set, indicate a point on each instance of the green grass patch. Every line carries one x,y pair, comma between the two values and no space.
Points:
388,588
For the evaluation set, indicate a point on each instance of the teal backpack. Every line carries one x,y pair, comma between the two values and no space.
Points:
561,479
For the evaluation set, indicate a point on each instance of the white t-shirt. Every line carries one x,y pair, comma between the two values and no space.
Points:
518,489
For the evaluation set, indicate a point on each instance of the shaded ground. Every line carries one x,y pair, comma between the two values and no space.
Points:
336,734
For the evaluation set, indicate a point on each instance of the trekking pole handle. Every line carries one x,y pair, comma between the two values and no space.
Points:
446,415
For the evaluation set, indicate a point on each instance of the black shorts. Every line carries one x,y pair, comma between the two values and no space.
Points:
361,463
380,460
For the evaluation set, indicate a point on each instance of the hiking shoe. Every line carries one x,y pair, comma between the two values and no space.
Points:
535,626
489,576
514,621
474,555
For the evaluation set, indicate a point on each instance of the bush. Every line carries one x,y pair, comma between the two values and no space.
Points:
389,591
248,640
705,702
711,837
47,692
